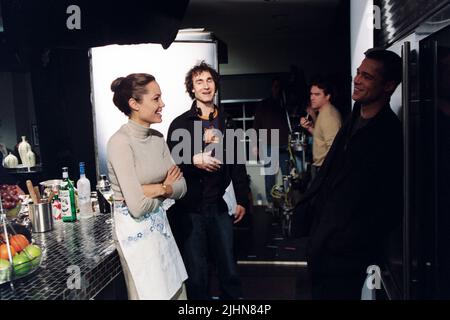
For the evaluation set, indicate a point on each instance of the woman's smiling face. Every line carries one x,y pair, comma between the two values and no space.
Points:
148,109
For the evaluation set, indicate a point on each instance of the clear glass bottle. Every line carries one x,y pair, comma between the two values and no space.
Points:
84,194
67,197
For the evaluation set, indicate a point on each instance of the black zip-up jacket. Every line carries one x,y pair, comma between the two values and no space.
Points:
356,199
195,177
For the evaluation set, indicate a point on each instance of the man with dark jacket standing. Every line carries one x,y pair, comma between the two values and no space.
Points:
200,220
356,199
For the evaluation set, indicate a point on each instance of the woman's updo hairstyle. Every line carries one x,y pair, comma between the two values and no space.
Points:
131,86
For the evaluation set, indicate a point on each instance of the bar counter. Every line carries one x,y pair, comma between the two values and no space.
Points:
86,244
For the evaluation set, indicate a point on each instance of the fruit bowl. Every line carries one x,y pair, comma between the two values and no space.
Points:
18,257
21,259
23,264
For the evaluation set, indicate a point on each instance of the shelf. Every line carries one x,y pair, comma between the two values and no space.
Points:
25,170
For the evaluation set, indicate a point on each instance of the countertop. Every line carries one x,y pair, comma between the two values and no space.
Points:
79,259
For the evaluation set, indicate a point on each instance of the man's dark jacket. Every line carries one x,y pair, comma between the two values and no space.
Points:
356,199
194,176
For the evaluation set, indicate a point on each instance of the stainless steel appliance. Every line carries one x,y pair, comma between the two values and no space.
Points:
419,264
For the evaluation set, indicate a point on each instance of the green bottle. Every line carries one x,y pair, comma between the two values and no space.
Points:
67,197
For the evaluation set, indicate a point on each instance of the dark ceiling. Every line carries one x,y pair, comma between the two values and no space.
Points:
261,18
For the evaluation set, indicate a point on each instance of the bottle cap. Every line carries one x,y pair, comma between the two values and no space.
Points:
82,168
65,173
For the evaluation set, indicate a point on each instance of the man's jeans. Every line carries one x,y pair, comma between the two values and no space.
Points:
212,231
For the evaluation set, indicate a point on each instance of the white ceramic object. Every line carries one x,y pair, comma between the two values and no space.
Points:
24,147
31,159
10,161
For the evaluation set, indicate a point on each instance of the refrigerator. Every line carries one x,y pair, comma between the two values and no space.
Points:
419,257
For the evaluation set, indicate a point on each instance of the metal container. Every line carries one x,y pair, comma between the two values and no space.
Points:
41,216
50,186
298,142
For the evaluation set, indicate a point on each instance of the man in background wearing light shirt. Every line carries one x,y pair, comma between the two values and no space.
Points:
327,124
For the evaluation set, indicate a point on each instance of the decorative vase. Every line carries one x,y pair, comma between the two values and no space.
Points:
24,147
10,161
31,159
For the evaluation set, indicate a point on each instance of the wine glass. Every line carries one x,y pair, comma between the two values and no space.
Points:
108,195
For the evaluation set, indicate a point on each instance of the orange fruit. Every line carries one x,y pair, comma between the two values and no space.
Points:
4,251
19,242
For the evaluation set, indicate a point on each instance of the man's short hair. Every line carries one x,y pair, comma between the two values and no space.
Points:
392,63
198,69
325,85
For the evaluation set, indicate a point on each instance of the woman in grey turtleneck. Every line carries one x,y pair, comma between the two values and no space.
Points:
143,175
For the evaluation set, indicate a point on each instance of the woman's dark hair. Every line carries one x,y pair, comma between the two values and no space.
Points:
131,86
202,67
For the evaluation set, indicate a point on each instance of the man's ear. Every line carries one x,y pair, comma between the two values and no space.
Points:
328,97
390,87
133,104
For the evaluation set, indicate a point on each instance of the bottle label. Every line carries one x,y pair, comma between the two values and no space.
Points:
64,196
56,209
82,198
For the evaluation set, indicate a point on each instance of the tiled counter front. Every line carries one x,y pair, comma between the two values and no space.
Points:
79,260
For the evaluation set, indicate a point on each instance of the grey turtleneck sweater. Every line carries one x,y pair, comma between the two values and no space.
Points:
139,155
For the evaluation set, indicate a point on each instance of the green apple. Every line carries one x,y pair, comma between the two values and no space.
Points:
34,253
21,264
5,270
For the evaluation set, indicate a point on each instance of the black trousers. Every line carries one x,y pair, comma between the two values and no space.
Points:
211,233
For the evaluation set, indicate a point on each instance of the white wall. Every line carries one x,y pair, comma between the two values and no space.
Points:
361,30
169,68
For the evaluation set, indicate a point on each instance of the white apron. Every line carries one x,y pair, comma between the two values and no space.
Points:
150,252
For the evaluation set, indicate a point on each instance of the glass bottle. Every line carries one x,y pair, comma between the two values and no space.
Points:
105,196
67,197
84,193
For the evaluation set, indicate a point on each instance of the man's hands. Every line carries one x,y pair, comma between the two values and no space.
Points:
206,162
305,123
312,113
240,212
308,122
308,125
210,136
